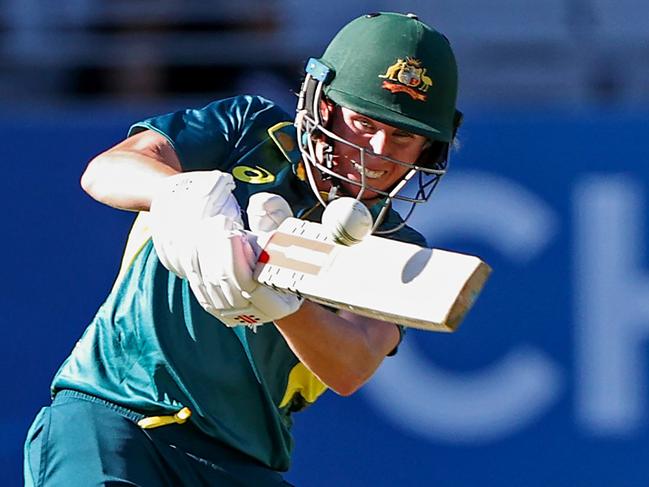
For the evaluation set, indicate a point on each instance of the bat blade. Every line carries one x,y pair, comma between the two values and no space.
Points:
430,289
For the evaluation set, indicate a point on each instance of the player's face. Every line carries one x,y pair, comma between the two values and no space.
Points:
382,140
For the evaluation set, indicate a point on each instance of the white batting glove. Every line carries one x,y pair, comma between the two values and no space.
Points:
198,235
266,211
266,302
193,216
212,259
180,203
223,282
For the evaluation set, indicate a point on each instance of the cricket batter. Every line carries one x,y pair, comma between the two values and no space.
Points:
167,386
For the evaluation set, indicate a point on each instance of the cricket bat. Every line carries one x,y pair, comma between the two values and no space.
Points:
430,289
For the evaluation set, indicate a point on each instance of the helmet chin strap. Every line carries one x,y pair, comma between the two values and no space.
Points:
333,192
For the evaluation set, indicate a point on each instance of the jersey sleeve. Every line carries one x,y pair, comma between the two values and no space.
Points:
402,332
217,135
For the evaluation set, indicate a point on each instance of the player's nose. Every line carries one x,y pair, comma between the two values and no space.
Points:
379,143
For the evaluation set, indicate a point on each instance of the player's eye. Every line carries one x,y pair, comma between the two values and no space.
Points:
404,135
403,138
364,124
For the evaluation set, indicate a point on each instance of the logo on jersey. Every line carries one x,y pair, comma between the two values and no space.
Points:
253,175
407,77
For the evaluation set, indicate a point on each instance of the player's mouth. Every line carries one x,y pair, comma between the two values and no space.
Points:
369,173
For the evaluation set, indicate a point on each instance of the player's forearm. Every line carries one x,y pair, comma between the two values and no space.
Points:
124,180
126,176
343,354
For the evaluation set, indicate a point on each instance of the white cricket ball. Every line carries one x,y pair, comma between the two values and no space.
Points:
347,220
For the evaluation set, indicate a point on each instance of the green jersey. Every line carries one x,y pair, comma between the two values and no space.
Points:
152,348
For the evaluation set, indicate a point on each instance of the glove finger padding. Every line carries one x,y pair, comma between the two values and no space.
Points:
179,203
215,242
225,273
223,281
266,211
241,266
270,303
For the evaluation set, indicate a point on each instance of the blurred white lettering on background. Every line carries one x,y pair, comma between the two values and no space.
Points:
612,304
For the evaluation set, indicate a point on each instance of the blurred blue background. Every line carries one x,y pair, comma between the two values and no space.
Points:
545,383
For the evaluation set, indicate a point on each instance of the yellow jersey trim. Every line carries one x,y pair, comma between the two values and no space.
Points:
303,382
283,140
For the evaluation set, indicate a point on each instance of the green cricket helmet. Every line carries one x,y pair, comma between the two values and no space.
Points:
392,68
